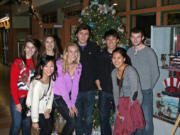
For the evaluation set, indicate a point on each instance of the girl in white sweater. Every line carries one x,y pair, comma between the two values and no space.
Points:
40,96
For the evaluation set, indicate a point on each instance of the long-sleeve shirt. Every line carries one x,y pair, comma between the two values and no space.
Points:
104,69
66,86
40,98
20,76
130,85
145,62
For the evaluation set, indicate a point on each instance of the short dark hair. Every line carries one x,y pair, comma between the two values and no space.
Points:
111,32
83,27
137,30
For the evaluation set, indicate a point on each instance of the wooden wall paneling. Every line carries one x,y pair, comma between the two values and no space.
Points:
85,3
37,29
66,30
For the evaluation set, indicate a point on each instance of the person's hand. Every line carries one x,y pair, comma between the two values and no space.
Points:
71,112
47,114
98,84
119,116
35,126
75,111
19,107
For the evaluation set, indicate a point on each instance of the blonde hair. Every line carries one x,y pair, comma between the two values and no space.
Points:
65,59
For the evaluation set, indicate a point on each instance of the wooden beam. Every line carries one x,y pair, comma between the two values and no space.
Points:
85,3
150,10
134,4
135,12
128,3
158,13
170,7
133,21
158,18
165,19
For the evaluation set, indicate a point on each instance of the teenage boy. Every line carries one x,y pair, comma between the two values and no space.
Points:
144,59
86,96
104,82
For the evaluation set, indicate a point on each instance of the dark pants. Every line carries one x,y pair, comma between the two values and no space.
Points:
17,120
45,125
61,106
84,104
106,101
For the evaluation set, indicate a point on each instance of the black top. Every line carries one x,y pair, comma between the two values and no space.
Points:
105,67
88,60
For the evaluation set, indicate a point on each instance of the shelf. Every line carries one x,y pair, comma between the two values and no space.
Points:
171,69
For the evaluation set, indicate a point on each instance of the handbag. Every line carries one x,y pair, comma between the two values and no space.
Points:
124,126
25,109
132,113
137,115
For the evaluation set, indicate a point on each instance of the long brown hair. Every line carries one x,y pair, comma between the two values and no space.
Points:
65,59
35,55
55,50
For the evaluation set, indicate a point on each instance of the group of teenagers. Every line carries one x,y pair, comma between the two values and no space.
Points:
42,80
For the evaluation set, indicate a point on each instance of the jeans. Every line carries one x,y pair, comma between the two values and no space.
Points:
105,101
17,120
84,104
147,107
45,125
61,106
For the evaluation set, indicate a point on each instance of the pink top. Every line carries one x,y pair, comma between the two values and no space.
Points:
65,84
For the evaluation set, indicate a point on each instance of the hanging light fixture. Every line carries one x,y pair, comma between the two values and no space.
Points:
114,2
4,19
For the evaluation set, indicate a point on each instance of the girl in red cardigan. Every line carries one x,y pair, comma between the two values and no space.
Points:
22,70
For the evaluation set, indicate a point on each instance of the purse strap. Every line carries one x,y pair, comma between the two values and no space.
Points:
121,81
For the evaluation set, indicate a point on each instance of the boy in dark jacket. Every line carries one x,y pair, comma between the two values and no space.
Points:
104,81
85,99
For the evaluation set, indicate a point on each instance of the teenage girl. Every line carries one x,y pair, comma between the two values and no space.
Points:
66,86
22,70
40,96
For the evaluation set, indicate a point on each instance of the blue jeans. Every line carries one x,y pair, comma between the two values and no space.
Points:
84,104
17,120
105,101
147,107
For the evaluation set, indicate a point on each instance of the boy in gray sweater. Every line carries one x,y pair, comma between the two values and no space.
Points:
144,60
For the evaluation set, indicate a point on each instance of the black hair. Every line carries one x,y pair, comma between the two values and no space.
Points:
137,30
83,27
43,61
123,52
111,32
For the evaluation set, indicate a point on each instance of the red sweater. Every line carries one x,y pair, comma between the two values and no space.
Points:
20,77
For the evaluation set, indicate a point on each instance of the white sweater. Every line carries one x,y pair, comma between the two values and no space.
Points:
38,104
